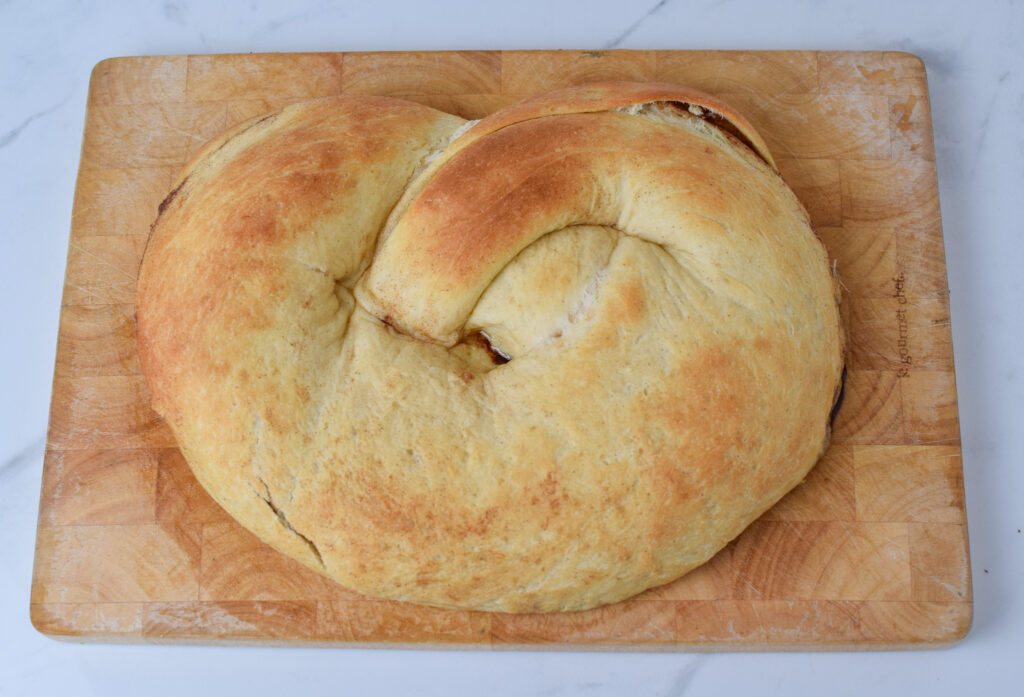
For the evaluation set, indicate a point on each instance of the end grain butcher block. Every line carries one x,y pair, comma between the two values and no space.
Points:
870,552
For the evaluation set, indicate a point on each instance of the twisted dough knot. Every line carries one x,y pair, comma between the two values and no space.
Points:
565,159
660,344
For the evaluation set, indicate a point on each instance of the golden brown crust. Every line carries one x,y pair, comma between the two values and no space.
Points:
608,96
311,309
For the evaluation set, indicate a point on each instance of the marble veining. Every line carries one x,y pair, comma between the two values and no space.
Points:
9,137
22,458
617,41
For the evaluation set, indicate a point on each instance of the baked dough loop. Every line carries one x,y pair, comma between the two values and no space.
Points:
541,362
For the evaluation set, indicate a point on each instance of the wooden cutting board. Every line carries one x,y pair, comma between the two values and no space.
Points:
870,552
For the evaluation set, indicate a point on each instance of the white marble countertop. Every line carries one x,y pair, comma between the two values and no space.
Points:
974,58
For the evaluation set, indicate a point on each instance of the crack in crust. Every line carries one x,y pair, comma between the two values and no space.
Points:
283,520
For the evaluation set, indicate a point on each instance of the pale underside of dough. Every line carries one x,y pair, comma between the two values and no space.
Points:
674,342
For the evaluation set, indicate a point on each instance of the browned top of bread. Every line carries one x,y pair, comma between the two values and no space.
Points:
540,363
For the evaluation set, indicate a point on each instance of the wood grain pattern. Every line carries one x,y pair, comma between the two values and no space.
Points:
869,552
